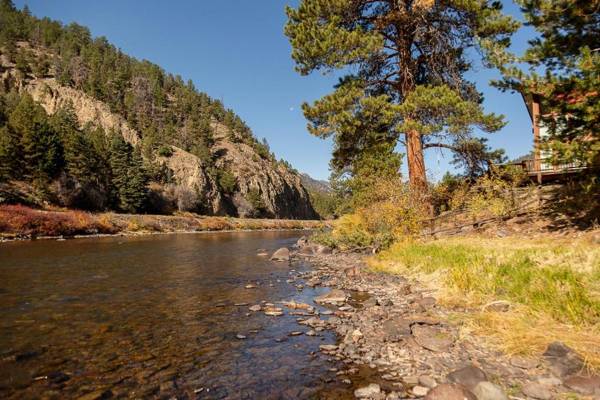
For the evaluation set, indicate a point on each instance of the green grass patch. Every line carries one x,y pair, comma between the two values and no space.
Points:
560,280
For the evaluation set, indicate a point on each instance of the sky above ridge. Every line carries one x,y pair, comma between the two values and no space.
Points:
235,51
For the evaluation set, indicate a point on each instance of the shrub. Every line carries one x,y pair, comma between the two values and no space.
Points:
393,214
20,220
227,182
490,195
165,151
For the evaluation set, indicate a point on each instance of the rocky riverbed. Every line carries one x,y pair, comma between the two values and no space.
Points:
396,329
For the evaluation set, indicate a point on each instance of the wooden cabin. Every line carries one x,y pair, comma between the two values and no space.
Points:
539,167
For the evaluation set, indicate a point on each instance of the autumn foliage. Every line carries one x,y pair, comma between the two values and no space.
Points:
24,221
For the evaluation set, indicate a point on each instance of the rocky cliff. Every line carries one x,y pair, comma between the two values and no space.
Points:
263,186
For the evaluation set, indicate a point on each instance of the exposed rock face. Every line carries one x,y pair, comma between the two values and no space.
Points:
281,191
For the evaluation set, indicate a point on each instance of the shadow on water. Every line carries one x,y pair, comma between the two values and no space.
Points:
156,316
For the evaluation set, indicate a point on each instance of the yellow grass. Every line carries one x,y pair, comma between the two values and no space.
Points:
552,282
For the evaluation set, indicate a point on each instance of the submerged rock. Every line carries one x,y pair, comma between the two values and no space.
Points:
283,254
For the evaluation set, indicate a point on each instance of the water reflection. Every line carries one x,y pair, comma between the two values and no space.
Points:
153,316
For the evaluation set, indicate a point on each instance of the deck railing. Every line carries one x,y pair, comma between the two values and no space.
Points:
545,166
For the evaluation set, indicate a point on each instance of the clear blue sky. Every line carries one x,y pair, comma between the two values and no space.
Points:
235,50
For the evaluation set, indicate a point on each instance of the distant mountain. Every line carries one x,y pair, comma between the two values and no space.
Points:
315,184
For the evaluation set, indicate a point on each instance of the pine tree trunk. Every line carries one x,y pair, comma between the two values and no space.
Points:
416,162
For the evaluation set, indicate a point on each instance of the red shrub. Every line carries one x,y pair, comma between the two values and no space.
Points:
21,220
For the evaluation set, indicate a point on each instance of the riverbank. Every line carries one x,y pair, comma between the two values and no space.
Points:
20,222
423,338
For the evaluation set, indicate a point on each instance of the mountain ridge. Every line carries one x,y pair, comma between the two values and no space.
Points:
207,153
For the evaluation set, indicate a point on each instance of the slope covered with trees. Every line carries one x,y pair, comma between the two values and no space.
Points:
94,128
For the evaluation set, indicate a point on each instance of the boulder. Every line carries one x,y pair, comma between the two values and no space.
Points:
283,254
563,360
469,376
395,329
537,391
489,391
450,391
432,337
587,385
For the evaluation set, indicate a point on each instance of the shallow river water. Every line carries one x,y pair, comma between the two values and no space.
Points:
156,317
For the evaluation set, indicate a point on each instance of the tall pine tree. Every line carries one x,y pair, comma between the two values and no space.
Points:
405,62
42,153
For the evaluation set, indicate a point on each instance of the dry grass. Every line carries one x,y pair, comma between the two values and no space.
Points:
553,283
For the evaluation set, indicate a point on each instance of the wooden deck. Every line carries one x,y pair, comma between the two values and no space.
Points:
542,170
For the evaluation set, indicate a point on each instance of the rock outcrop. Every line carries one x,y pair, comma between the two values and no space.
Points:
278,189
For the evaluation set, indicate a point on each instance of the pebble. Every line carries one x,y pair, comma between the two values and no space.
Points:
255,308
240,336
250,286
421,391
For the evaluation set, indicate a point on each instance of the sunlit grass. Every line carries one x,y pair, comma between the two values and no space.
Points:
553,283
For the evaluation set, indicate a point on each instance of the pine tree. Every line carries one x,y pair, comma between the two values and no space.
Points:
136,191
567,52
40,145
119,164
408,60
78,152
7,155
129,178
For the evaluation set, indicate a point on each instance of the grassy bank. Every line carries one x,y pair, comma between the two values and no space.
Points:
22,222
553,284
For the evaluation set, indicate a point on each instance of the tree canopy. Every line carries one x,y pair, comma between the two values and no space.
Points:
564,71
403,64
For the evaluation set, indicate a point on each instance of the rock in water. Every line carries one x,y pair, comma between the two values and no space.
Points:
367,392
333,297
283,254
450,391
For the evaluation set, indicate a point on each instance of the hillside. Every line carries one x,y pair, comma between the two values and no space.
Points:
316,185
116,133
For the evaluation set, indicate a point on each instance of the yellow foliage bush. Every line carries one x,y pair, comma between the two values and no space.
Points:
391,213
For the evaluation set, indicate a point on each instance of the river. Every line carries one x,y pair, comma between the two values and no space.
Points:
156,317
